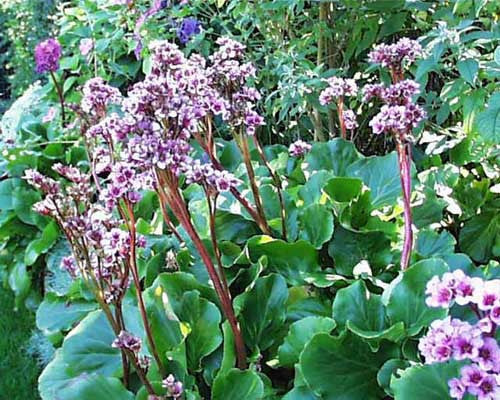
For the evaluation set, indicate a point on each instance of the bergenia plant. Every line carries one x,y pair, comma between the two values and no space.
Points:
472,342
398,117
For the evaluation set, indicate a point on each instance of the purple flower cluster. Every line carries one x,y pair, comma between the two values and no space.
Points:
174,387
393,55
127,341
350,120
397,119
188,27
398,114
337,87
398,93
97,95
299,148
452,338
456,287
47,55
99,245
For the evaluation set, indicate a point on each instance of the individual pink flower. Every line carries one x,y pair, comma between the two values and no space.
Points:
457,388
487,296
440,294
495,313
86,46
488,389
51,114
488,357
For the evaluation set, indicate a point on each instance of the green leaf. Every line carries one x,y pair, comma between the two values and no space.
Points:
238,385
295,261
54,377
58,314
342,368
6,188
381,175
363,313
406,298
385,5
203,319
385,373
176,284
94,387
480,235
348,248
49,236
429,382
262,314
299,334
300,393
87,348
333,156
316,222
19,281
343,189
431,243
468,69
488,121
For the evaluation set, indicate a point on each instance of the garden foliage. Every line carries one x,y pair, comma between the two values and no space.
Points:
201,203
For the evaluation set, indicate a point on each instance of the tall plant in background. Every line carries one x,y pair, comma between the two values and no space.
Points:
397,117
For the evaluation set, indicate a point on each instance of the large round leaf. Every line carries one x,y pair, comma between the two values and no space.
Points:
299,334
57,314
316,225
238,385
204,336
381,175
293,260
429,382
480,235
342,368
364,314
348,248
263,311
406,298
334,156
94,387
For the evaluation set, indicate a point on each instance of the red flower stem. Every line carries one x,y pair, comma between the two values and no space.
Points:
138,290
213,235
404,161
277,184
61,98
340,109
178,207
251,177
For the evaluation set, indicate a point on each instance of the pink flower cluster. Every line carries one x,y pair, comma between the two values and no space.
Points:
393,55
397,119
299,148
337,87
452,338
47,55
398,93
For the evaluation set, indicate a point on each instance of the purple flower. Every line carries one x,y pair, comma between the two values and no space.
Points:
471,375
127,341
495,313
189,27
393,55
86,46
488,356
397,119
68,264
174,387
47,55
299,148
457,388
467,346
488,388
337,87
350,120
487,296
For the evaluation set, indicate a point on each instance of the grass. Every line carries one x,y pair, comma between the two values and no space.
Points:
18,370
